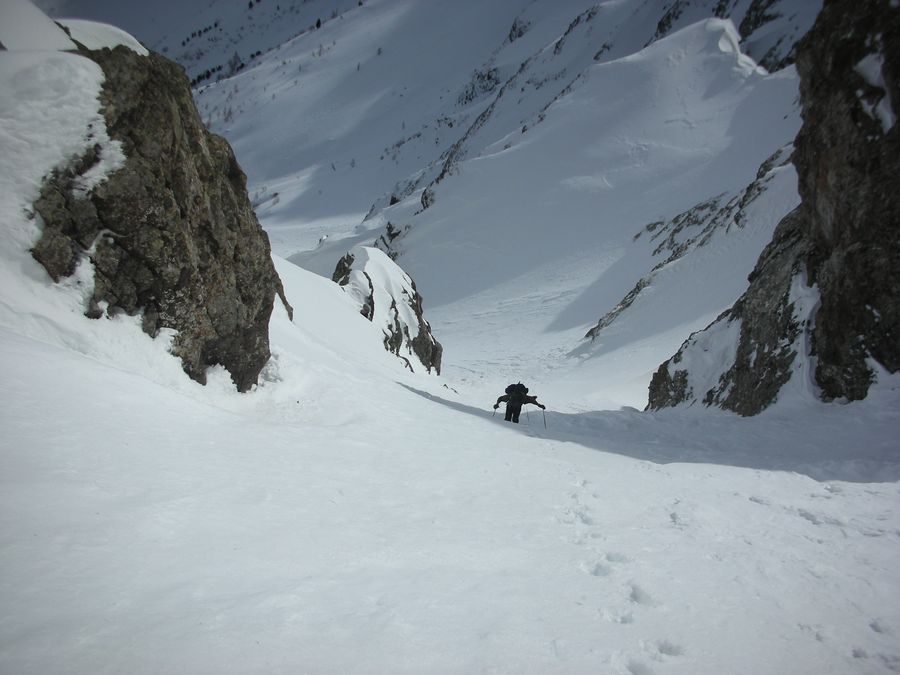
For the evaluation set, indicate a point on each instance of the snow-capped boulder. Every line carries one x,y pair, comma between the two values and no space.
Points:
171,234
823,299
387,296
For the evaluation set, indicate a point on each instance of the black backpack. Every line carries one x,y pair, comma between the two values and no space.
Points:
516,392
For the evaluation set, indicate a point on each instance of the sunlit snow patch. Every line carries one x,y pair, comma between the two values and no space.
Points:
94,35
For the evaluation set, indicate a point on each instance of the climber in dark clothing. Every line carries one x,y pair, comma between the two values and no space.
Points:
516,396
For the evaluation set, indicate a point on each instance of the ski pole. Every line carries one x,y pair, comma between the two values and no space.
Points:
494,413
545,417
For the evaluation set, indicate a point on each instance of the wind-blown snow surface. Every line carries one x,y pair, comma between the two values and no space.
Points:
348,516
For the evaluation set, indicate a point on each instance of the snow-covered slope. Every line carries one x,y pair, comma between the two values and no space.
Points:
556,140
338,523
324,128
555,148
350,516
548,222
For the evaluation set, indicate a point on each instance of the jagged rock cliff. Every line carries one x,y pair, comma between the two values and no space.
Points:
388,297
849,159
171,234
826,291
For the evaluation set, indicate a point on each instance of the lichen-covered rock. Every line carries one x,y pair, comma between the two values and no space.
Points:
826,292
387,296
171,234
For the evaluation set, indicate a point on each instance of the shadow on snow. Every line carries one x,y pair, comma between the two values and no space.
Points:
824,446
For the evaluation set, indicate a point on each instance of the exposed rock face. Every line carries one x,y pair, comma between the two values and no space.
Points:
767,324
172,233
848,158
388,297
840,245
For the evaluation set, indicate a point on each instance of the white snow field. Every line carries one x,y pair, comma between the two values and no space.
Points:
348,516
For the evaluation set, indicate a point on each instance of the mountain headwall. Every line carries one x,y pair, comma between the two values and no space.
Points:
824,298
171,234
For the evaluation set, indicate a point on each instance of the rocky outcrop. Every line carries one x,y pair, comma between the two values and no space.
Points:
743,359
387,296
694,229
171,234
826,291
